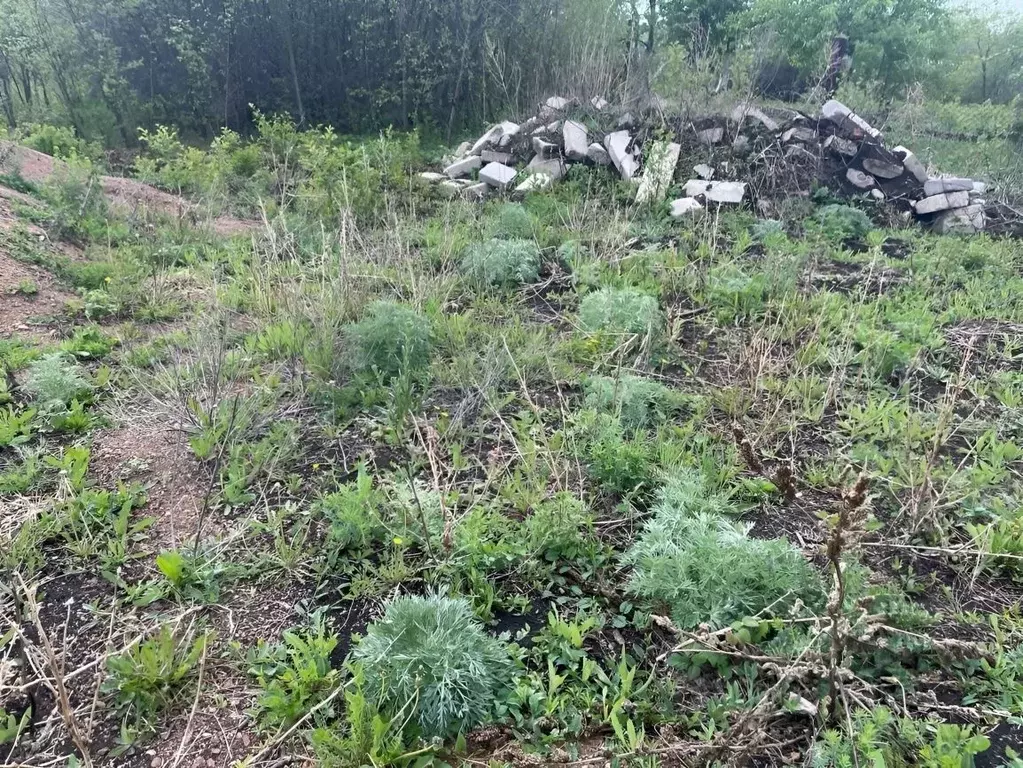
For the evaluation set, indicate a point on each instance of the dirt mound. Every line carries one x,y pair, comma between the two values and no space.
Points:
126,195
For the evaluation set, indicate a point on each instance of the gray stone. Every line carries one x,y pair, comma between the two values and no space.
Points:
576,140
557,103
882,169
463,167
491,156
476,191
488,138
793,151
912,163
658,172
531,125
696,187
840,113
742,113
859,179
497,175
942,202
599,103
450,188
937,186
544,148
535,183
685,206
877,194
431,176
799,133
553,127
463,149
961,221
841,146
554,168
617,145
728,192
704,171
711,135
979,188
627,120
598,154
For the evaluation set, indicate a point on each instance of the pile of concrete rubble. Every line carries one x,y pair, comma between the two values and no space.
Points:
836,148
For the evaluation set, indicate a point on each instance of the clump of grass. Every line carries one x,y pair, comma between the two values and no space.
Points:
637,402
706,568
391,337
428,661
54,381
502,263
619,310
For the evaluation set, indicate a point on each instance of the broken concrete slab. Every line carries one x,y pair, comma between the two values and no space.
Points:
937,186
463,167
859,179
726,192
912,164
492,156
617,145
476,191
544,148
431,176
979,188
711,136
498,175
599,103
839,113
799,133
685,206
554,167
704,171
942,202
658,171
742,113
491,136
842,146
576,140
696,187
882,169
966,220
451,187
558,103
535,183
598,154
463,149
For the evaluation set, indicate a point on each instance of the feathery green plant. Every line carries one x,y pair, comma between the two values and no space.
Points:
619,310
502,263
391,336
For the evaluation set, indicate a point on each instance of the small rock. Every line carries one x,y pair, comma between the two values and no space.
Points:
156,762
490,156
497,175
711,135
211,763
841,146
543,148
553,105
659,171
741,113
463,149
475,191
882,169
576,140
626,121
553,127
431,176
599,103
859,179
704,171
799,133
463,167
685,206
535,183
877,194
598,154
617,145
913,164
246,740
554,168
937,186
942,202
799,705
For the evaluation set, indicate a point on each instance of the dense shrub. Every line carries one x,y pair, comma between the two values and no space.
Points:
430,661
841,222
638,402
619,310
502,263
706,568
390,338
511,221
61,142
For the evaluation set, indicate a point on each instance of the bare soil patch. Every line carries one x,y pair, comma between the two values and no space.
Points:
23,312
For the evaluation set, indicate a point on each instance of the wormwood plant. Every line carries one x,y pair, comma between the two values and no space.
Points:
840,222
429,663
638,402
706,568
502,263
511,221
54,381
619,310
390,337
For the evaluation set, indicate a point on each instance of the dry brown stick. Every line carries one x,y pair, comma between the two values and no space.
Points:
180,752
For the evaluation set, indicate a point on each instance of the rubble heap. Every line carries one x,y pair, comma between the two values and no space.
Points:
837,148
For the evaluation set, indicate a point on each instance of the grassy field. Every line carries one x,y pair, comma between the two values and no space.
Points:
375,478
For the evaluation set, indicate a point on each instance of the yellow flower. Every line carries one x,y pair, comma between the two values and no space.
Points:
397,540
316,466
107,278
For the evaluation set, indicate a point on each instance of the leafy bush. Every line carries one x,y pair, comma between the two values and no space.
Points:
502,263
706,568
841,222
75,194
54,381
512,221
619,310
637,402
391,337
429,661
60,141
620,462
